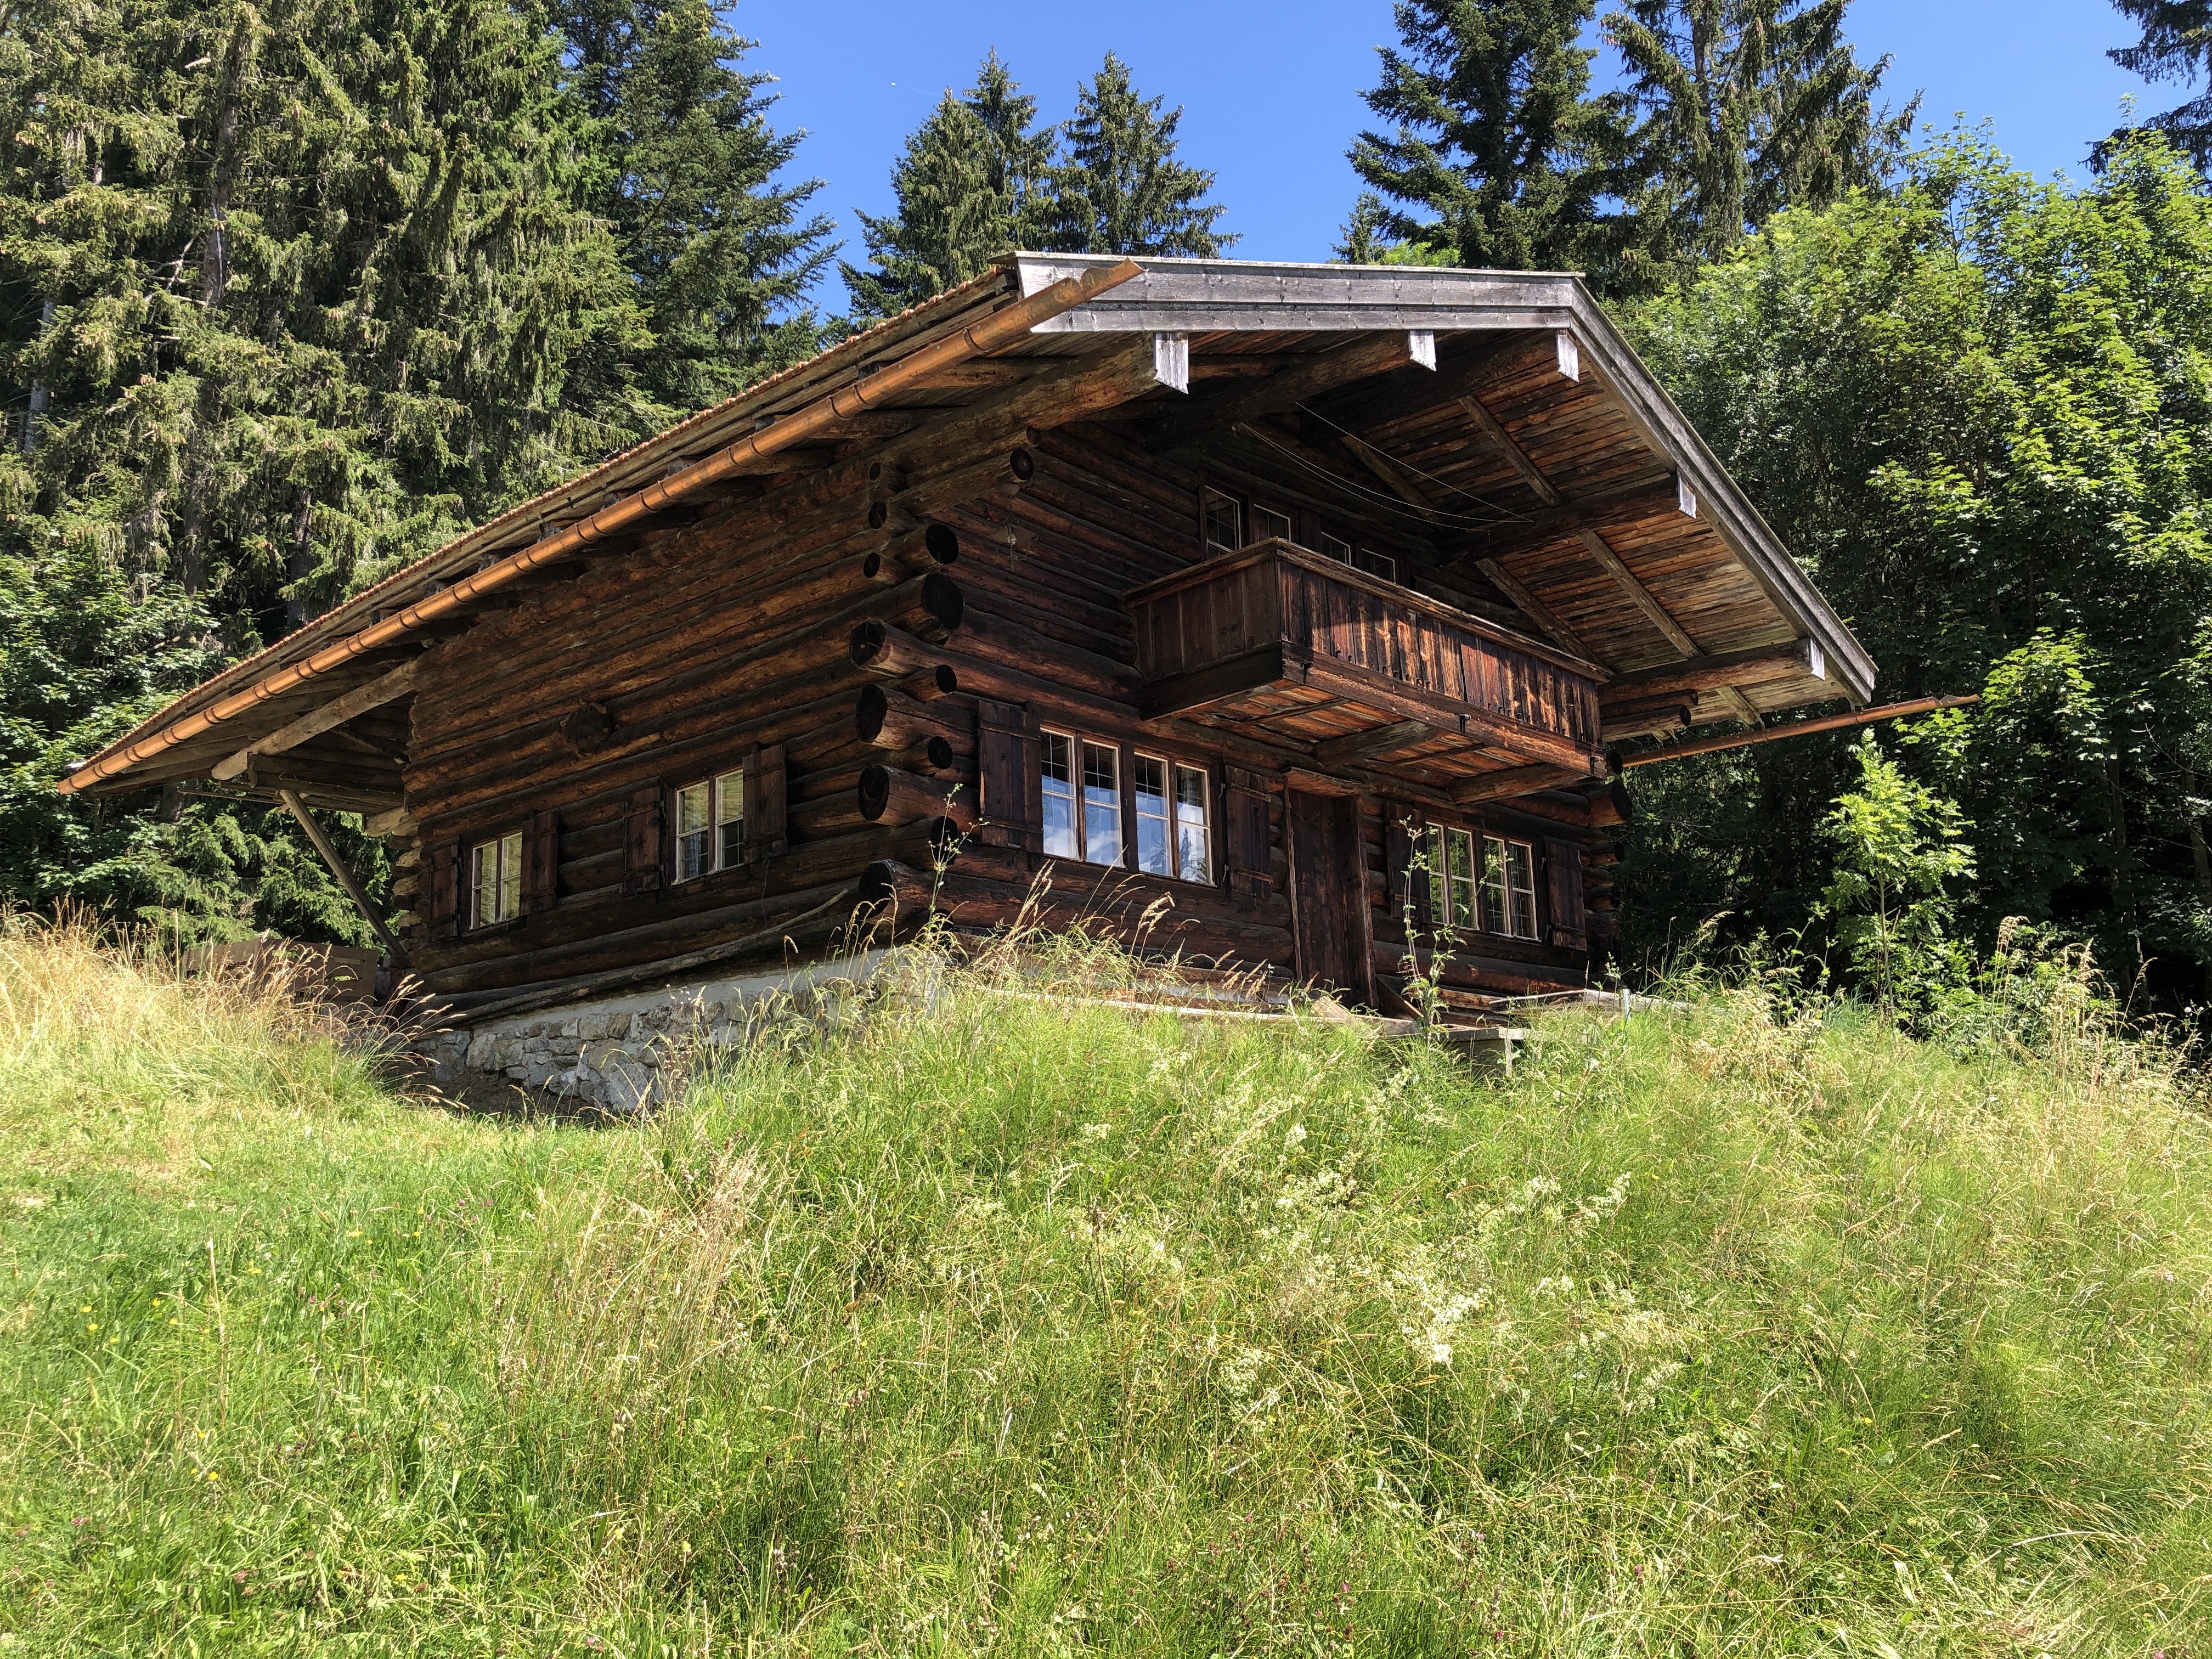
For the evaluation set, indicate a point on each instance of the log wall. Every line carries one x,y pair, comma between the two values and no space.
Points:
728,644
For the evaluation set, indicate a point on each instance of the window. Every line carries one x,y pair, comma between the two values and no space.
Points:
1224,523
1083,807
1193,844
1101,805
1269,524
1374,564
1060,839
1486,885
1171,831
1508,887
710,826
495,881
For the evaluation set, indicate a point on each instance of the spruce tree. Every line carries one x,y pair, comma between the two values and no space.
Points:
2176,45
967,188
1741,108
1120,188
1497,154
722,254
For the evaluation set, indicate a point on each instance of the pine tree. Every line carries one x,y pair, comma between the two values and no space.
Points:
1741,108
722,254
967,188
1120,189
2176,45
1497,155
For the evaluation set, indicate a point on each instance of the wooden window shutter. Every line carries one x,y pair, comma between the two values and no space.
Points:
642,838
764,804
1564,862
1249,841
444,861
541,862
1006,761
1409,881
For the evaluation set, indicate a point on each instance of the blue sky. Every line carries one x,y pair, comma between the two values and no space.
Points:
1270,88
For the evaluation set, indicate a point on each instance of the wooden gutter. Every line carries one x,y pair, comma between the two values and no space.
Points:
999,329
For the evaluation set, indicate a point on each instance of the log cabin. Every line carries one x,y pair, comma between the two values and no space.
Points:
1294,607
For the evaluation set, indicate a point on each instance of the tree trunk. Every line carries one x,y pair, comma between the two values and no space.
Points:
302,563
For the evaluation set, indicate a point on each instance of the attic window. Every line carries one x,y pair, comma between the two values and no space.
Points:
1224,523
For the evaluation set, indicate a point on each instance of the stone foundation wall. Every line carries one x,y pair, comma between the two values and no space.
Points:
621,1054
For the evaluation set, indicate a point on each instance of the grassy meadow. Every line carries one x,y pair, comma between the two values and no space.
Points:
989,1322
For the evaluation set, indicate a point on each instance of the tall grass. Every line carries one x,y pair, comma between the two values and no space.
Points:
995,1320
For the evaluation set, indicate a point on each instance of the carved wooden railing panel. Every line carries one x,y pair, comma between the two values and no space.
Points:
1268,613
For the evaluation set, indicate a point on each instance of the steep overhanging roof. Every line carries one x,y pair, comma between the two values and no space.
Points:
867,395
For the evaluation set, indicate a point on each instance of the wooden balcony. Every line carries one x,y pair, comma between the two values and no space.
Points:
1298,649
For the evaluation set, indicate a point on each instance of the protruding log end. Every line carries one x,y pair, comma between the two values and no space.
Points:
930,683
868,717
942,599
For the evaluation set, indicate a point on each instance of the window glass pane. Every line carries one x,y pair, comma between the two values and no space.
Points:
1377,564
1194,858
1058,797
1101,805
1520,886
692,817
729,820
510,875
1336,547
1152,781
1432,852
1493,885
1462,878
1224,534
483,883
1267,524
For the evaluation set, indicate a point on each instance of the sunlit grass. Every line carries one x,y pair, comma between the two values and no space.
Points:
994,1322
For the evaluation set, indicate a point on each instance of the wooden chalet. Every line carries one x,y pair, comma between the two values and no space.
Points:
1297,598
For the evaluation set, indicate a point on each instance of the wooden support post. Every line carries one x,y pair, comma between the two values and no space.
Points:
339,868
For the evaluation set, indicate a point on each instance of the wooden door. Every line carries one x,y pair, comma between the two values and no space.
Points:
1328,891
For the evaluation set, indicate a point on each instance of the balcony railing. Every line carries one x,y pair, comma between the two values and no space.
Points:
1281,638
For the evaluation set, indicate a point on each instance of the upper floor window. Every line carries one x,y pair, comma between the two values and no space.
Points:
496,880
1268,524
1480,883
710,825
1224,522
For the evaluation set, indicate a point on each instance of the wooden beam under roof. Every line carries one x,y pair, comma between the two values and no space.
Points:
1360,357
1545,525
399,683
1537,611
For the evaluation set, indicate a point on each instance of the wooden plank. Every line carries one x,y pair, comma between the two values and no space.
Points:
399,683
1763,662
1494,429
1638,594
1355,360
1362,747
340,869
1517,781
1540,613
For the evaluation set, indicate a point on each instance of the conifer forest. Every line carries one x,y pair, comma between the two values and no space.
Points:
293,292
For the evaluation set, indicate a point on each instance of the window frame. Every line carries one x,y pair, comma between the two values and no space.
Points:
718,820
1129,816
1208,498
506,884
